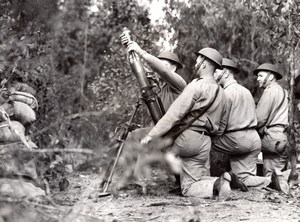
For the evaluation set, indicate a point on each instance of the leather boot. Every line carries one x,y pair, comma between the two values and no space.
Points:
221,188
236,183
275,185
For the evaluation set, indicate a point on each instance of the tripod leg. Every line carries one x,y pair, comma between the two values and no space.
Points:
113,168
112,164
108,169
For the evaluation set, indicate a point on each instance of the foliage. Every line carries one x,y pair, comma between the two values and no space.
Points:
250,32
285,37
72,56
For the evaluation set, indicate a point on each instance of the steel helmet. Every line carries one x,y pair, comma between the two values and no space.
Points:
228,63
212,55
172,57
268,67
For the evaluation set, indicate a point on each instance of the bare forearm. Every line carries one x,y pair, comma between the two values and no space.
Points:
170,77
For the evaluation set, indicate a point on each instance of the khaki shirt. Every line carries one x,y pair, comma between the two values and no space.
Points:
196,95
168,95
242,113
270,109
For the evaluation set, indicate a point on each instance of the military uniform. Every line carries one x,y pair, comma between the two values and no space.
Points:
240,139
194,145
172,85
272,114
169,93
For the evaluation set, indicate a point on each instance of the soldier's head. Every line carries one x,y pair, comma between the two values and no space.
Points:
171,60
266,74
208,60
227,73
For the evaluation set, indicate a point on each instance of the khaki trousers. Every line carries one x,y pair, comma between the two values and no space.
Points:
193,148
243,148
274,143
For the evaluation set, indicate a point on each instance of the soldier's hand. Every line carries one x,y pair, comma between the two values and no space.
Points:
133,46
125,39
146,140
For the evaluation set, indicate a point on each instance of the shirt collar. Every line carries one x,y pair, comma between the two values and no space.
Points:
272,84
230,82
207,78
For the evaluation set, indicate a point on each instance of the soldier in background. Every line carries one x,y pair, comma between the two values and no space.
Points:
240,139
272,114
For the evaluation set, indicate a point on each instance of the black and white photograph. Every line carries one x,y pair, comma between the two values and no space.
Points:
149,110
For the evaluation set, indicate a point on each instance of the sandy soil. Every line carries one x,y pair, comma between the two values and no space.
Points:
81,199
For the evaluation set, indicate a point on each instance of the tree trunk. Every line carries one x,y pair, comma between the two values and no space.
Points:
292,151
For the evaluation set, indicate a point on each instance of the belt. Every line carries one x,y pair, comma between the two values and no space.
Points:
235,130
276,125
201,132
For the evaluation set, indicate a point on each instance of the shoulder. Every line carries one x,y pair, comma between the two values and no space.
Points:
244,89
195,83
179,78
268,96
274,88
203,86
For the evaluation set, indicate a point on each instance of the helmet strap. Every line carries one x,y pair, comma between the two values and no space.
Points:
266,79
198,66
220,76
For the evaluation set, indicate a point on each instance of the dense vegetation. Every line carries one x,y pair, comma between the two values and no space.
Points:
73,57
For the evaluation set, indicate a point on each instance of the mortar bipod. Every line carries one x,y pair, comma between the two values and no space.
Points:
113,163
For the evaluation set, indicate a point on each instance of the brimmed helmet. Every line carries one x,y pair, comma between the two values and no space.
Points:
172,57
228,63
269,67
212,55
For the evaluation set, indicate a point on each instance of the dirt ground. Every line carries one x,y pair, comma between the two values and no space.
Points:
81,201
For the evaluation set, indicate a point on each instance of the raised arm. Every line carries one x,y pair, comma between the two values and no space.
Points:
170,77
173,79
